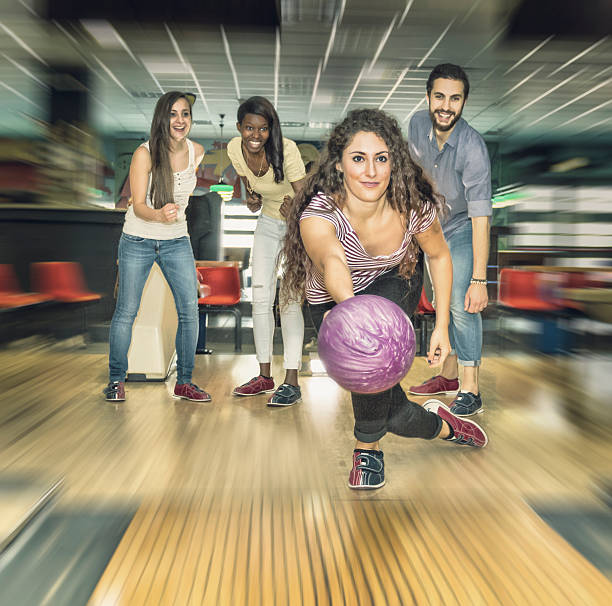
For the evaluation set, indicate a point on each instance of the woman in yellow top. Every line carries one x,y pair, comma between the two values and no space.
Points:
272,170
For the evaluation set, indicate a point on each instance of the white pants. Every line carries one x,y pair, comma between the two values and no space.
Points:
267,243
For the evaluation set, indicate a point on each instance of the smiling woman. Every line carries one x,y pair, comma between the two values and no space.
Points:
355,228
272,170
162,177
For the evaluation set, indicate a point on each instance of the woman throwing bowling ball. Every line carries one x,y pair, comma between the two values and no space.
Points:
355,228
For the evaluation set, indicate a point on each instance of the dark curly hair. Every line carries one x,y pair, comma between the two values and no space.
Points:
409,190
274,145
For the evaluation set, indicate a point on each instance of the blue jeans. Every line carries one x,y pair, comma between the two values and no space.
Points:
175,259
465,329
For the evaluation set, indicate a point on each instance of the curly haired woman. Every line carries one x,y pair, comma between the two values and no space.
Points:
355,228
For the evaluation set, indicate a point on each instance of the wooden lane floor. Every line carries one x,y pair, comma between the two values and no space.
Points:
242,504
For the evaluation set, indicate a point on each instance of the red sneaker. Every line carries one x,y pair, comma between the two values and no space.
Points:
255,386
465,431
115,391
189,391
435,386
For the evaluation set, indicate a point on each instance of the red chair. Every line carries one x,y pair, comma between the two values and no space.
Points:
63,281
11,295
425,314
522,289
223,280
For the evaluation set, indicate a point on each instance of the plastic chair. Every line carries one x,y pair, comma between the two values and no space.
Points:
424,315
521,289
223,280
62,280
11,295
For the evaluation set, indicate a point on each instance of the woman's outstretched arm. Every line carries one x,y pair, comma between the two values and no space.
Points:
327,254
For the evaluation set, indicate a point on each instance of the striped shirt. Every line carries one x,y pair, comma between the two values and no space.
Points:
364,267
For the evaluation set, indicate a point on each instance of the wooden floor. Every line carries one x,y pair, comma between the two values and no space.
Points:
241,504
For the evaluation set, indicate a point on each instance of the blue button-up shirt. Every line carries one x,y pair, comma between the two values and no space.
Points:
461,171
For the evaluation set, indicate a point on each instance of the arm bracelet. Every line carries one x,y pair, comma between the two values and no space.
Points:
478,281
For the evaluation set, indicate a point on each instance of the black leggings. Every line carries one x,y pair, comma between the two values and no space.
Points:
378,413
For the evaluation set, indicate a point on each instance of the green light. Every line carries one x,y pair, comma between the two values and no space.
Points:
225,191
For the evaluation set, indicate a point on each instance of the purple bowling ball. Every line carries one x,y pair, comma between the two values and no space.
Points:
367,344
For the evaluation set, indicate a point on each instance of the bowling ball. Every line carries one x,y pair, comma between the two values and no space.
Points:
366,344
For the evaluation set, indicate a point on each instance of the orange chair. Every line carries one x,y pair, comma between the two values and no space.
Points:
63,281
522,289
11,295
223,280
424,315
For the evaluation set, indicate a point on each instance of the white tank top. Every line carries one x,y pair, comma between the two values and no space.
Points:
184,184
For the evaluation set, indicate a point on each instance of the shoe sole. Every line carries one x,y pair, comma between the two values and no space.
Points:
434,393
471,414
191,399
115,399
367,487
278,404
246,395
484,433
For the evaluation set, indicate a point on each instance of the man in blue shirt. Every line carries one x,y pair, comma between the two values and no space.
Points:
455,157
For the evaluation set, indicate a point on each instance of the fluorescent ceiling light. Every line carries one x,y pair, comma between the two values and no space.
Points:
397,83
21,43
554,111
228,54
382,42
529,54
102,32
277,48
163,65
583,114
414,109
330,42
314,89
363,67
579,55
405,13
26,71
435,44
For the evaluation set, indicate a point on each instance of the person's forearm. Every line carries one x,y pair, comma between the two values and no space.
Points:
338,280
142,211
441,269
480,246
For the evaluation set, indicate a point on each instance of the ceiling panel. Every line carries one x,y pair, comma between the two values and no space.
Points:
355,52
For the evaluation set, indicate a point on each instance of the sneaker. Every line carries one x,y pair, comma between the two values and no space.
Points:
286,395
368,470
190,391
465,432
115,391
255,386
435,386
466,404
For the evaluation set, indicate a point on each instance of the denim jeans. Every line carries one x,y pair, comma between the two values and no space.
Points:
378,413
267,243
465,329
175,259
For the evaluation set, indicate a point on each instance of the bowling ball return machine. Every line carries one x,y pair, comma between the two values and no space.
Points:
152,353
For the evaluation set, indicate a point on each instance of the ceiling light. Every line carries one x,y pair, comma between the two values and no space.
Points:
102,32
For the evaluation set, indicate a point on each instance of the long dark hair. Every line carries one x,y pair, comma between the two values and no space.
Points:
409,190
274,145
162,185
